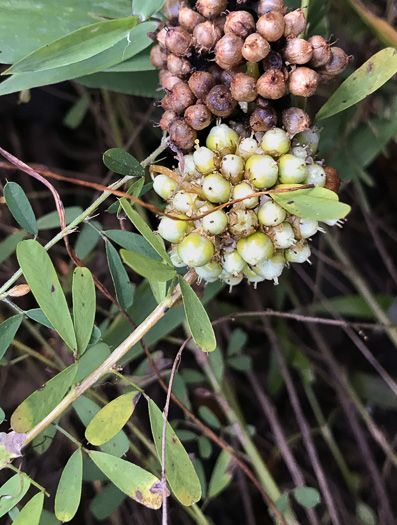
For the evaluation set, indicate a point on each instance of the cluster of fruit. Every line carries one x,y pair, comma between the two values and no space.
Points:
218,64
252,238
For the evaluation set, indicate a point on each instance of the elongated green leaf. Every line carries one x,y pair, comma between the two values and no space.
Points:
121,51
86,410
384,31
8,329
140,62
68,495
154,240
147,8
107,501
179,469
135,190
120,277
41,276
137,483
140,84
317,203
20,207
75,116
367,79
84,303
79,45
122,162
12,492
2,416
87,239
8,246
37,314
221,475
111,418
159,290
197,318
91,359
153,270
133,242
48,518
51,220
39,404
30,514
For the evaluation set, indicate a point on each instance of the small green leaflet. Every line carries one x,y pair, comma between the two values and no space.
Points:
120,278
137,483
84,303
39,404
75,116
8,329
12,492
368,78
317,203
30,514
8,246
133,242
51,220
41,276
20,207
68,495
2,416
111,418
153,270
122,162
107,501
307,496
221,475
145,8
154,240
159,290
76,46
179,469
197,318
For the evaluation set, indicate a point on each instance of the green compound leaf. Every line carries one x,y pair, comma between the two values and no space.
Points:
39,404
221,475
12,492
41,276
84,302
20,207
31,513
317,203
68,495
122,162
154,240
111,418
368,78
120,278
8,329
179,469
197,318
147,8
137,483
307,496
76,46
153,270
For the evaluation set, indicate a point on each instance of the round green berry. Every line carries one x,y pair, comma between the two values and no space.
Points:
316,175
233,263
175,259
271,269
204,160
271,213
242,222
216,188
292,169
283,235
184,202
172,230
255,248
231,280
209,272
247,147
232,168
299,253
262,170
214,223
222,139
275,142
164,186
242,190
195,250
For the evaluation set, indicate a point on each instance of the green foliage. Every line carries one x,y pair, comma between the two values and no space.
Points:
122,162
307,496
20,207
120,278
75,116
222,474
145,8
133,242
12,492
68,495
84,302
8,329
8,246
153,270
51,220
31,512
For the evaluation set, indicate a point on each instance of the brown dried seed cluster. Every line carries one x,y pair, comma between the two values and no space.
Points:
219,63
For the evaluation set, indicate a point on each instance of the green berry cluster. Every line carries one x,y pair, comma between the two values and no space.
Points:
253,238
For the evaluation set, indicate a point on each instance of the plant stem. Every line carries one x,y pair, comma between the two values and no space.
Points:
31,480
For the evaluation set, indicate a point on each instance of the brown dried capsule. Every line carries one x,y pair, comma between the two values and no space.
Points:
295,120
271,84
255,48
265,6
158,57
228,51
228,75
201,83
263,119
179,98
166,120
161,37
167,81
271,26
205,36
219,22
273,61
295,23
240,23
189,19
198,116
242,88
321,51
303,82
216,72
178,41
210,8
182,135
297,51
337,63
220,101
332,180
178,66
